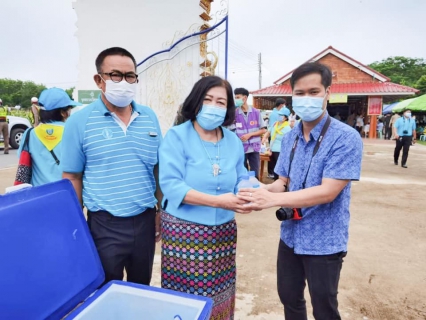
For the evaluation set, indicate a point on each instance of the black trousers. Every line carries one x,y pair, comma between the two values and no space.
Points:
388,132
403,143
273,161
322,274
125,242
252,159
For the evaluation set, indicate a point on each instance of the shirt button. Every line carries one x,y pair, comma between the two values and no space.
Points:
218,188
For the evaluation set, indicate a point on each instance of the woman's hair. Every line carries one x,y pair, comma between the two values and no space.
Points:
193,103
53,115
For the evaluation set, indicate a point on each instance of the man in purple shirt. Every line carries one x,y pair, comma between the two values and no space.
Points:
249,127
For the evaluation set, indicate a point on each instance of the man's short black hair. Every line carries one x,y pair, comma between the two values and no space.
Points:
114,51
193,103
47,116
279,101
242,91
309,68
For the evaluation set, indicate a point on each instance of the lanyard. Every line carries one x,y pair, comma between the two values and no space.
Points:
317,145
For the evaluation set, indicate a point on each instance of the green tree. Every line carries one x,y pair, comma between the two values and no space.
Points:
70,91
403,70
421,84
17,92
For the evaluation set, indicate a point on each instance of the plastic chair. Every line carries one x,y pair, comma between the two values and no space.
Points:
422,137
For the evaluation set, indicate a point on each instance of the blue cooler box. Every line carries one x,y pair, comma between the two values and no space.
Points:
49,265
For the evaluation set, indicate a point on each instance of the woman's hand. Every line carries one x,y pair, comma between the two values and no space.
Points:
230,201
258,198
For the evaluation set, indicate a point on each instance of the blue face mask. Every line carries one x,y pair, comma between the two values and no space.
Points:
308,108
211,117
239,102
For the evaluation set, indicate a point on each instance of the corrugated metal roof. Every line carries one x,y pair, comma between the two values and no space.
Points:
376,88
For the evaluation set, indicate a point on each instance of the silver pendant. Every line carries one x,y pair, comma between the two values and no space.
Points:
216,169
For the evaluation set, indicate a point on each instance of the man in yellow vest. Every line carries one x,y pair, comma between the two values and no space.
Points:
4,126
35,111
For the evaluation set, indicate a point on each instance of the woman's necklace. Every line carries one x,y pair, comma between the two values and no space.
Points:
215,166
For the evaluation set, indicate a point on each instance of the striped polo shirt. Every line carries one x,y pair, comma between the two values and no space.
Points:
117,161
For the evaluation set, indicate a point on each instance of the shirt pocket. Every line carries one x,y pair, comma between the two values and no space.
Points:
146,144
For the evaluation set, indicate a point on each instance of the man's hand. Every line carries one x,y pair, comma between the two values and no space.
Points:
258,198
396,136
158,227
245,137
230,201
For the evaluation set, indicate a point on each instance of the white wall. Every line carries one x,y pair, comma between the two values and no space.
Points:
140,26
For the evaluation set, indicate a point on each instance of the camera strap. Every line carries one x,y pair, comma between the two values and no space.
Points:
317,145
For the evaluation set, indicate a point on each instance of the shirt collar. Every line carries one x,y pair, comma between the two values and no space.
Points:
248,110
102,107
315,132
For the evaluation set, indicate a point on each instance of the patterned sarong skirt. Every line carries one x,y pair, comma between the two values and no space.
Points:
200,260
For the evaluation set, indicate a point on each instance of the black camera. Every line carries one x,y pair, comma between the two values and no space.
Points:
405,132
288,214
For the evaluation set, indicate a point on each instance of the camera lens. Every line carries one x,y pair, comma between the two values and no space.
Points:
284,214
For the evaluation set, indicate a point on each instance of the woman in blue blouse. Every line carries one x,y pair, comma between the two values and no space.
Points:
201,164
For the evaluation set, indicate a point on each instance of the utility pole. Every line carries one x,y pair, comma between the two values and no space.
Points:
260,70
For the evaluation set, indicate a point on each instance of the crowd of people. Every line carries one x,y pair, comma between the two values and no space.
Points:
139,188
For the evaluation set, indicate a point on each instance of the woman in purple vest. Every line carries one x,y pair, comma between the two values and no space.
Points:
201,164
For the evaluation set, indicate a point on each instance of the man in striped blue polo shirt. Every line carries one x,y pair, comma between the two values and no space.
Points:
110,155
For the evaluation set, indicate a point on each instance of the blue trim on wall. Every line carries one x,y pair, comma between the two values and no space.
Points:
194,35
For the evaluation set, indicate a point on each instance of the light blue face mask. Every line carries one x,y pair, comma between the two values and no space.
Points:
308,108
239,102
211,117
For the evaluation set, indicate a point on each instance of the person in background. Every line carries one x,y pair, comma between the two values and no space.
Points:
266,121
312,248
337,116
387,127
110,154
276,133
380,129
392,121
359,123
201,164
404,131
351,119
366,130
35,111
292,116
4,126
45,141
292,123
249,127
273,118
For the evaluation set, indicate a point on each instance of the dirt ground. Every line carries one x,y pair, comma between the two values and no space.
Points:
384,273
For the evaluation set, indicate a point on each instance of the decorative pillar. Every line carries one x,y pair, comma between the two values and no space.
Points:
375,106
208,66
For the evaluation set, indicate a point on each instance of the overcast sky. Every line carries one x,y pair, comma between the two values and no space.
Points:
37,39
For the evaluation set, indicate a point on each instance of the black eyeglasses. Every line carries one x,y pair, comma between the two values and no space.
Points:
117,76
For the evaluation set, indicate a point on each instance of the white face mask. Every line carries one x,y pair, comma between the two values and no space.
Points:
120,94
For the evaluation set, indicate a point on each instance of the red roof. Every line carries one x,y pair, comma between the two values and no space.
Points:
376,88
344,57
